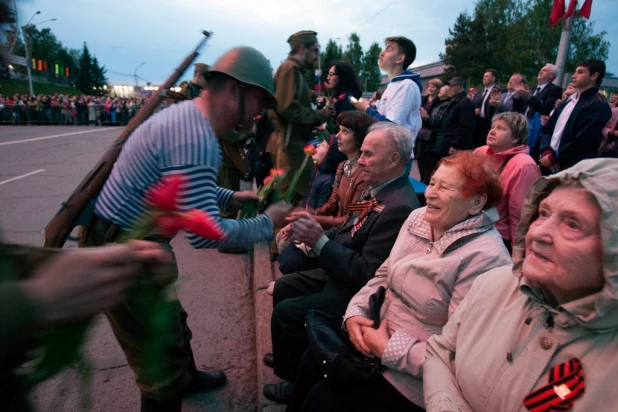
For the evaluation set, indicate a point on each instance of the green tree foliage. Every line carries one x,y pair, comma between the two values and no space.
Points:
370,73
44,46
91,76
515,36
85,76
354,52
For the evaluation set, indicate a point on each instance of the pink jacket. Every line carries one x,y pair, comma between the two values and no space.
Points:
517,177
611,125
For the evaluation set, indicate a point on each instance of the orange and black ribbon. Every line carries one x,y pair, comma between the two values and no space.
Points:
566,384
366,206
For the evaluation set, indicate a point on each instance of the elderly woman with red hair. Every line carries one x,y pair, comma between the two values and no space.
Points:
439,252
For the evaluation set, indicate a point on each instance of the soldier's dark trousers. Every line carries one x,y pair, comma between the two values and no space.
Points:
165,378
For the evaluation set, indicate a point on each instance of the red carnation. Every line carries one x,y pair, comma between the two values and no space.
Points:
309,150
163,194
201,224
341,96
168,225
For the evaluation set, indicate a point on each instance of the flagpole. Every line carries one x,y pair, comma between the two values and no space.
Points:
563,48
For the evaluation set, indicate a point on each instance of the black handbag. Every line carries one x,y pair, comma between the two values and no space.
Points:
341,364
424,135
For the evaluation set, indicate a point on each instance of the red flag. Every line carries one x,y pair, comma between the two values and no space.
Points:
571,9
557,12
585,10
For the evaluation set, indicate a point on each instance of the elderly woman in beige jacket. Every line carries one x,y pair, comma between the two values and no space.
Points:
542,335
439,252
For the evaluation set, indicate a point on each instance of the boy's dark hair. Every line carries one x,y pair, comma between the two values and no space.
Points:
297,48
348,80
358,122
594,66
406,47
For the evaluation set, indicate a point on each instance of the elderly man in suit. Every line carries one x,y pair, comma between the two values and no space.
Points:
348,255
541,101
509,100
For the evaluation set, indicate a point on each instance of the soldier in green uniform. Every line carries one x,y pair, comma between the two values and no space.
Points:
193,88
294,118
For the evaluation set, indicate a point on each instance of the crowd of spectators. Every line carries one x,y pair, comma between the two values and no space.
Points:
58,109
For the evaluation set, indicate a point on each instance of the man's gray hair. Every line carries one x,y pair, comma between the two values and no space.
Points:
554,69
400,136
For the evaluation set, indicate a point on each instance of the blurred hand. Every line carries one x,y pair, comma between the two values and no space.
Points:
278,212
81,283
328,111
477,112
424,113
545,161
361,104
238,198
495,102
305,230
544,120
523,91
354,325
376,339
285,232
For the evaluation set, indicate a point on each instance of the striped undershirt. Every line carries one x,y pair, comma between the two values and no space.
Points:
177,140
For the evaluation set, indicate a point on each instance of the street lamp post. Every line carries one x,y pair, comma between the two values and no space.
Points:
135,73
28,61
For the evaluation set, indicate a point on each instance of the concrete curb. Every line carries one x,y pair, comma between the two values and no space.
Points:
264,272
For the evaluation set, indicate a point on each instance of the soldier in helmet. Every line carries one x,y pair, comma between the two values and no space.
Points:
183,140
294,118
192,89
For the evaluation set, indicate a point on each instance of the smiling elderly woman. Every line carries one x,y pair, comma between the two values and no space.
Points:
542,335
439,252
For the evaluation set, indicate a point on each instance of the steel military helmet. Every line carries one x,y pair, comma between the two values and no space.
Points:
249,66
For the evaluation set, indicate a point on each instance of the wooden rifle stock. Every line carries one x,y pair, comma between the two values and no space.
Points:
59,228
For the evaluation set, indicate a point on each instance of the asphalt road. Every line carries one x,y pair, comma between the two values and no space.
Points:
39,168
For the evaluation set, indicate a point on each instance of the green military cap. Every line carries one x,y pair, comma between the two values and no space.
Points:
201,68
302,37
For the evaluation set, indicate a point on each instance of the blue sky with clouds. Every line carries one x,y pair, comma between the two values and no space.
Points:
123,34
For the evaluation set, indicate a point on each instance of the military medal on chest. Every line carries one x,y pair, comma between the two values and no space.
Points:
364,208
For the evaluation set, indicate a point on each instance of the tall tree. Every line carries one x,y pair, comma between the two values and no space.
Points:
370,75
99,78
85,75
354,52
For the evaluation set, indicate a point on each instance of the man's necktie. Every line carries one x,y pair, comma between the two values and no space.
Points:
483,102
530,113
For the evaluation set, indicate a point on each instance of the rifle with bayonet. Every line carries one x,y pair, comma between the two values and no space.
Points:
62,224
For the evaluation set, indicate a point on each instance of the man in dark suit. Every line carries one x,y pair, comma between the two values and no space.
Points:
484,111
541,101
509,100
456,127
348,256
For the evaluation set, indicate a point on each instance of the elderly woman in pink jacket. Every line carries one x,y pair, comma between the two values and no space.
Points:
507,146
438,254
